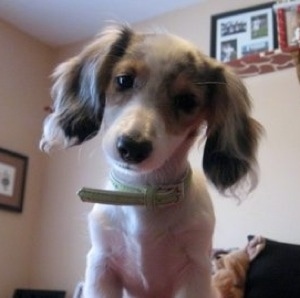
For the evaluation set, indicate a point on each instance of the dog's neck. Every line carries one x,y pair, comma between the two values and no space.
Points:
164,186
161,187
155,195
170,173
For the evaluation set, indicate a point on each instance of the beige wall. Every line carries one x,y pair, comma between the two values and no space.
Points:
58,257
24,71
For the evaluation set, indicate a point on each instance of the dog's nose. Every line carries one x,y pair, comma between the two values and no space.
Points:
133,150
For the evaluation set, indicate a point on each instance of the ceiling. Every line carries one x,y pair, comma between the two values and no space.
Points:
60,22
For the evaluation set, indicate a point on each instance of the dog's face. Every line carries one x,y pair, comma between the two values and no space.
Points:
151,93
155,102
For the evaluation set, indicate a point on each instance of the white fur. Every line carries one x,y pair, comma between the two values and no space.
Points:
152,253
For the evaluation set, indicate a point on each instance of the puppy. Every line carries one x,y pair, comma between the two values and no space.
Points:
151,94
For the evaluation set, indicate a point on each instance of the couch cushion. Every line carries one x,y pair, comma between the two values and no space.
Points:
275,273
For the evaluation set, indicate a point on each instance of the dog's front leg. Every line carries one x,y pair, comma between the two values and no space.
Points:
100,279
196,279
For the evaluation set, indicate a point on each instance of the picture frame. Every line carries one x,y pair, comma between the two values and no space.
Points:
288,25
243,32
13,170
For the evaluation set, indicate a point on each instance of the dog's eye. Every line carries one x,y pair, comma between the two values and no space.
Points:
124,82
185,103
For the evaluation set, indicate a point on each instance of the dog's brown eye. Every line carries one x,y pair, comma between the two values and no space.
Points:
185,103
124,82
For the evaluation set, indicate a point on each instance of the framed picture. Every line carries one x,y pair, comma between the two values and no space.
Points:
13,168
288,25
243,32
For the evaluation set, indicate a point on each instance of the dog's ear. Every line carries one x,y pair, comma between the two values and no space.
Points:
232,135
79,90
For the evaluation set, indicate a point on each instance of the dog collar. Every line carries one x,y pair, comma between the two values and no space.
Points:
137,196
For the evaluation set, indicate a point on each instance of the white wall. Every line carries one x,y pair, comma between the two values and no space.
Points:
271,210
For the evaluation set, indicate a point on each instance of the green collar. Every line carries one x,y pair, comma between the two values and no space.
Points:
123,194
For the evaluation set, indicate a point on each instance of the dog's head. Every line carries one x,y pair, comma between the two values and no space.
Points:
152,93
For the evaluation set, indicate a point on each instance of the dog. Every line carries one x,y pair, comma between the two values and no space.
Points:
152,94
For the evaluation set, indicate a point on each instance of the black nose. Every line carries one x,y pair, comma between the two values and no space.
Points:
133,150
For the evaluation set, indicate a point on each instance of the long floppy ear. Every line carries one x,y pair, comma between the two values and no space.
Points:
79,90
232,135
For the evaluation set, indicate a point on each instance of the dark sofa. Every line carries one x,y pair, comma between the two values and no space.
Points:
275,272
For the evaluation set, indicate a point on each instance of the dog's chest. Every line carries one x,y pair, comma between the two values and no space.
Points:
152,249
